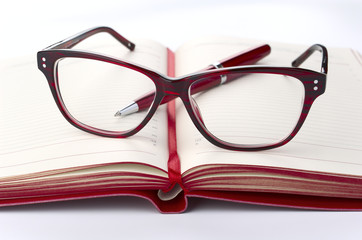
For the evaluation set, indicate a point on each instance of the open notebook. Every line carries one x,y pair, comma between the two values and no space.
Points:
43,158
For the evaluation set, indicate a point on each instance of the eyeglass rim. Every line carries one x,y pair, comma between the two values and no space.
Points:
163,84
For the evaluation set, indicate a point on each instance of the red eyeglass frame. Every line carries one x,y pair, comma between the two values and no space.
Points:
166,87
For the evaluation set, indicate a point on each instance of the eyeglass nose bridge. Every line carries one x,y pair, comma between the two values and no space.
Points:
175,87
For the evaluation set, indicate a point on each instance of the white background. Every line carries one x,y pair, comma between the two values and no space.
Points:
29,26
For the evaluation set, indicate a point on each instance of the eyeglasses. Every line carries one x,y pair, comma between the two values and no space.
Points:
257,107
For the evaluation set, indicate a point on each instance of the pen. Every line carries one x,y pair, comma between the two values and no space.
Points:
246,57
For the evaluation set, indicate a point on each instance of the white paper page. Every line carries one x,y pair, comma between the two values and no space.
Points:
35,137
331,138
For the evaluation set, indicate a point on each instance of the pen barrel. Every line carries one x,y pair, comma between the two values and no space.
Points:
145,101
249,56
214,81
205,84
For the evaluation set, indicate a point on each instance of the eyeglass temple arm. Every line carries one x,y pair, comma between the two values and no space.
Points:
304,56
74,40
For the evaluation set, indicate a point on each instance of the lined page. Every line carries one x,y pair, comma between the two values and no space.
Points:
330,139
35,137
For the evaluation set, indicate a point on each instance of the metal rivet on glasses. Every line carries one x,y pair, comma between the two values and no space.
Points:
223,77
